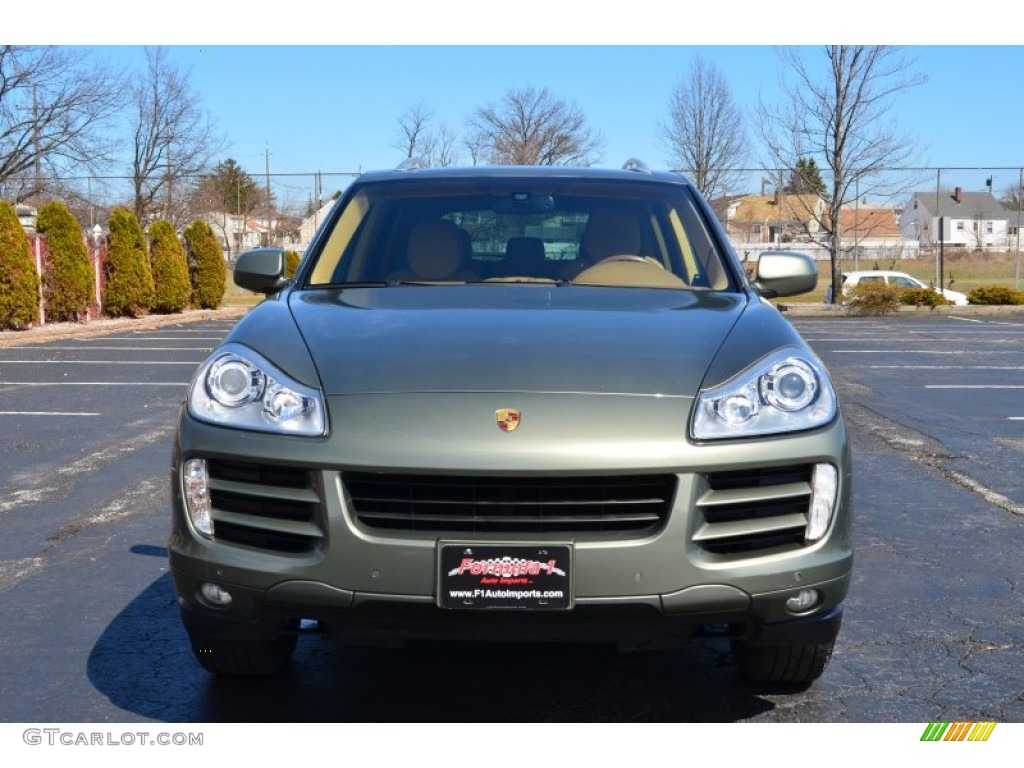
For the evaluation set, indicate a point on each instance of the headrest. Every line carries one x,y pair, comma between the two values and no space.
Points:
435,249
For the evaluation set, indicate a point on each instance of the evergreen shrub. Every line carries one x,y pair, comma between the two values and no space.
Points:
291,262
68,281
995,294
923,297
19,284
874,298
170,270
128,276
206,268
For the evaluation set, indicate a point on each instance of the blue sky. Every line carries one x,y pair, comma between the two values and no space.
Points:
335,108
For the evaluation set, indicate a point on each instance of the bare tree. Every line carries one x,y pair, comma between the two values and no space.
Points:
476,144
54,109
704,132
416,138
414,131
838,115
446,147
173,141
531,127
1011,197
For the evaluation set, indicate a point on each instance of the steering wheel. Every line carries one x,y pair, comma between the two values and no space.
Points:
624,257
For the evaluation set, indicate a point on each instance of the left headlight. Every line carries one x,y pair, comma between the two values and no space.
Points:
784,392
238,387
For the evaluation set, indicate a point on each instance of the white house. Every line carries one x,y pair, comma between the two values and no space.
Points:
969,219
236,233
311,223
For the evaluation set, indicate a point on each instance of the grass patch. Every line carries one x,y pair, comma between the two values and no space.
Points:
238,297
967,270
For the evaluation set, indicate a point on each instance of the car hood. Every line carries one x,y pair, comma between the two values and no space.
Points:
521,338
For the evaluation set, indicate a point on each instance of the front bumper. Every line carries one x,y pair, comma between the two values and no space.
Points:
643,588
395,621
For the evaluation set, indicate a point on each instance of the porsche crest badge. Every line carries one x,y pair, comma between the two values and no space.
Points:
507,418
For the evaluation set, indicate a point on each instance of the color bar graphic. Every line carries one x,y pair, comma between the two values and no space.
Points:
958,731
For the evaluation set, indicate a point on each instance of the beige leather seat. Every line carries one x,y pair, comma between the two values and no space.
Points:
436,251
610,232
613,232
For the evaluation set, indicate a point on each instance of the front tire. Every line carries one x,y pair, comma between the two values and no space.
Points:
783,664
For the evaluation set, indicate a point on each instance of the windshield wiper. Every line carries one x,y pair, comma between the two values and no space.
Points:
354,284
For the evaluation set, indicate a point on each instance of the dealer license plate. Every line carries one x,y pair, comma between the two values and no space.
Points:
504,576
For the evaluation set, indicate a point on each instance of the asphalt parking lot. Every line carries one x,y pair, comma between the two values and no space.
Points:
933,629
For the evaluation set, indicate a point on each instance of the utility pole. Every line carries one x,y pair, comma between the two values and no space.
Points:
856,227
1020,192
269,223
36,159
940,234
167,199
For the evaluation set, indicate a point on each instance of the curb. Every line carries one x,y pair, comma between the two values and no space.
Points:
103,326
840,312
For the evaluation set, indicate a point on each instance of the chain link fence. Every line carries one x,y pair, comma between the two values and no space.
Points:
889,215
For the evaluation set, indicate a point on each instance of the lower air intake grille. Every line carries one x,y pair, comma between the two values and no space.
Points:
751,511
266,507
510,504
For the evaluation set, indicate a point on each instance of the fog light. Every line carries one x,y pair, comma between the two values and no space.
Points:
197,495
214,594
823,501
803,600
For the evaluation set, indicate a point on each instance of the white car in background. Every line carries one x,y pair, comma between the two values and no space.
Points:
899,279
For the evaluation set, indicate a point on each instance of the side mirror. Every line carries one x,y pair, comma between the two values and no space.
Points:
261,270
785,273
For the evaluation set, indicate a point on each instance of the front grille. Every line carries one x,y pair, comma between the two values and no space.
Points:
510,504
754,511
266,507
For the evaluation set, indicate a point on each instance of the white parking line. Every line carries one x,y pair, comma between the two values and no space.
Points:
99,362
986,322
45,413
924,351
123,349
952,367
1001,335
89,384
974,386
161,338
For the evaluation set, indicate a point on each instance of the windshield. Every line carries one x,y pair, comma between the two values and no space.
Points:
564,231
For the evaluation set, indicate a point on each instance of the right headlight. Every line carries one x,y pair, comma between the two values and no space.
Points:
784,392
238,387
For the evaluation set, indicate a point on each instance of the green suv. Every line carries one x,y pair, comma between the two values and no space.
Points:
442,427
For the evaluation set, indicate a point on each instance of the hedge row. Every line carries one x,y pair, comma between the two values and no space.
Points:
995,294
140,274
877,298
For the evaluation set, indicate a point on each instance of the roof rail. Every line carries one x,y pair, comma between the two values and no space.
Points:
635,165
412,164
